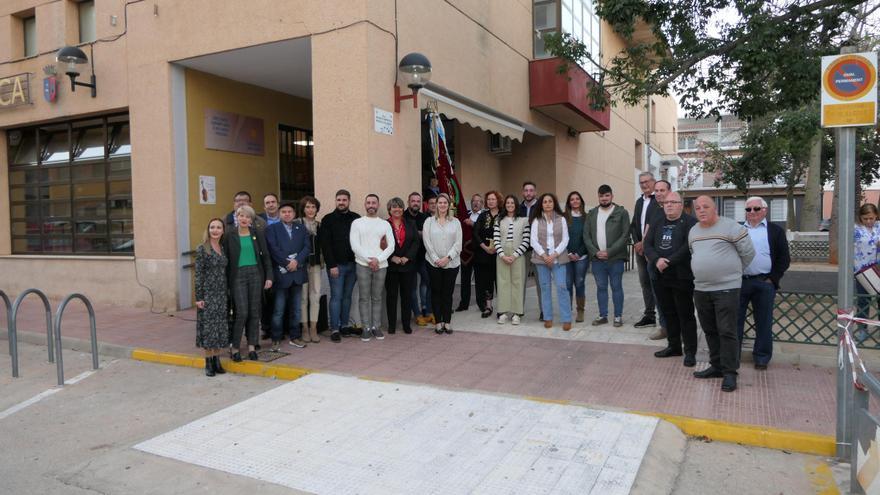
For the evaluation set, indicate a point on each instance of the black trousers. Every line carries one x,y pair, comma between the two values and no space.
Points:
442,290
676,301
247,292
718,311
399,285
484,275
466,270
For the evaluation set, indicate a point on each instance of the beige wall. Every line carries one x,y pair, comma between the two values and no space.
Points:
234,171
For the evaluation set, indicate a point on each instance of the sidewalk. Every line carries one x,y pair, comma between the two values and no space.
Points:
600,366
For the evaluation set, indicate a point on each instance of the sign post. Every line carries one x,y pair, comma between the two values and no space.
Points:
849,99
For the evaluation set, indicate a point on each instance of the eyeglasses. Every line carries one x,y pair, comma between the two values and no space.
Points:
755,209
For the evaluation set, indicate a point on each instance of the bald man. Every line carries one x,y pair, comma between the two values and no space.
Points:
720,250
666,249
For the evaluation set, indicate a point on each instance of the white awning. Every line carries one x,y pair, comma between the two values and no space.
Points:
471,116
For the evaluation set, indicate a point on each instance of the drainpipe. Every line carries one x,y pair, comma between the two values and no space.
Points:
647,151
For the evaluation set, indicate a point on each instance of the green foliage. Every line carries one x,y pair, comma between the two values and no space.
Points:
573,53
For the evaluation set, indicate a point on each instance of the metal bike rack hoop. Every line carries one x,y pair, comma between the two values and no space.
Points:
13,340
59,362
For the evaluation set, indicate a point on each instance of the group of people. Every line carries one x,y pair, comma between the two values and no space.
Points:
411,257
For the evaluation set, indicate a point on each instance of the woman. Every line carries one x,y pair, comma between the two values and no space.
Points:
311,294
400,277
549,241
484,252
512,240
579,262
442,237
212,329
867,236
248,273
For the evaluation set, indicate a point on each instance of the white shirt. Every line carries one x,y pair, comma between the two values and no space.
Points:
601,220
366,236
542,250
646,201
475,215
761,264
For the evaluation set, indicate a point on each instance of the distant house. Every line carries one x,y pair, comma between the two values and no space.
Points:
693,134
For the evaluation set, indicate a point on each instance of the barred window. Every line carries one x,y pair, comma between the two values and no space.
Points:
70,187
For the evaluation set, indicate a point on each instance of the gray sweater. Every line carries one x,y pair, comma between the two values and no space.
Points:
719,254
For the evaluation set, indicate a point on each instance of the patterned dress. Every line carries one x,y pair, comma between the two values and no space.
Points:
212,329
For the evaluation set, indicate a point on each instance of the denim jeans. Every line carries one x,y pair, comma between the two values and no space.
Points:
340,295
577,272
556,275
605,272
289,297
420,291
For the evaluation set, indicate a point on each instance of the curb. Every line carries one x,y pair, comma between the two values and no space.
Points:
720,431
757,436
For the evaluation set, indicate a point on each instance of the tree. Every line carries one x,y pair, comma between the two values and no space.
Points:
756,55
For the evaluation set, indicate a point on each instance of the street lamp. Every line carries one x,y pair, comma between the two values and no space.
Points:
414,70
73,57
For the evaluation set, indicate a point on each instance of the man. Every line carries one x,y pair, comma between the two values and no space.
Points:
529,191
339,258
646,207
606,230
666,248
720,251
761,278
242,198
661,189
415,213
289,247
270,207
467,269
366,238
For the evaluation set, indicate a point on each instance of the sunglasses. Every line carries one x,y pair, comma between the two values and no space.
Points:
757,208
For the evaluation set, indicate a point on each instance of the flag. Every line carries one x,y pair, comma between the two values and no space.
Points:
448,182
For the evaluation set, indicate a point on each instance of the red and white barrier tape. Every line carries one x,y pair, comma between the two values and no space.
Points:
847,345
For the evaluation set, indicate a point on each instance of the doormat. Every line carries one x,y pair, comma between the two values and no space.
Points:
268,355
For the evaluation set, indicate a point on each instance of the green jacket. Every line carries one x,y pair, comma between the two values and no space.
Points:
616,233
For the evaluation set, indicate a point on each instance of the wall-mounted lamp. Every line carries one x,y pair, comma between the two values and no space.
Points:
415,71
73,57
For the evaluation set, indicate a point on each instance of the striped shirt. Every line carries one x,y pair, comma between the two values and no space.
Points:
508,236
719,254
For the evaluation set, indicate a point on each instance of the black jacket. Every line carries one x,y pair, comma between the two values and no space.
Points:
680,260
334,238
780,258
636,224
484,233
232,248
409,250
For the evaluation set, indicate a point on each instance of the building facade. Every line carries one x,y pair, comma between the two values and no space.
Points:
198,99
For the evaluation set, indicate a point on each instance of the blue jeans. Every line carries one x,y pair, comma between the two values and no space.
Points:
420,291
604,272
577,272
283,297
559,276
340,295
761,295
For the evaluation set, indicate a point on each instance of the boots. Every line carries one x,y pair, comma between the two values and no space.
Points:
218,368
313,332
580,310
209,366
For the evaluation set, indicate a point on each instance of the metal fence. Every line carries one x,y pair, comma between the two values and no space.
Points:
809,250
811,318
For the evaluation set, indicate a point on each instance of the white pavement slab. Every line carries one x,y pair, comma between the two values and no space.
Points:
330,434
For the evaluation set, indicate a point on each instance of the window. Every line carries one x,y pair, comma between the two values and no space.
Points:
687,142
70,187
86,12
735,209
638,155
576,17
29,28
296,163
778,210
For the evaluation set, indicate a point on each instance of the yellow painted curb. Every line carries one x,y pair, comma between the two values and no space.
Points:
821,478
758,436
543,400
279,371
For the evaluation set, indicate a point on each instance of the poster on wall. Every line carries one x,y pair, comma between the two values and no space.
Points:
207,190
383,121
227,131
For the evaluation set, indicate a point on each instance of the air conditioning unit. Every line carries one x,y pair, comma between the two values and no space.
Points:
500,145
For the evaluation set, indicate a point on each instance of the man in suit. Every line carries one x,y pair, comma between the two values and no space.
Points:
646,207
289,247
761,278
243,198
467,269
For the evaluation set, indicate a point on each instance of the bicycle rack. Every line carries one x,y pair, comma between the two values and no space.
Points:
8,318
59,362
14,334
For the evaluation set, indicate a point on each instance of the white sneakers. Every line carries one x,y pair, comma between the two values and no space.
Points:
515,320
502,318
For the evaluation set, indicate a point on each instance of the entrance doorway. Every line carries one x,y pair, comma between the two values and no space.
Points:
296,163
